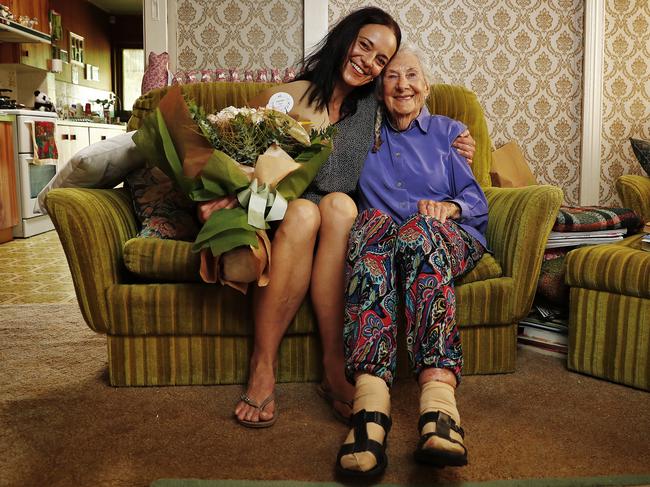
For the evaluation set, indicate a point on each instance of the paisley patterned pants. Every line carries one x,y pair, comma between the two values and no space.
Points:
420,259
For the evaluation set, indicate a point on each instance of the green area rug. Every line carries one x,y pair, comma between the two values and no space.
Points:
624,480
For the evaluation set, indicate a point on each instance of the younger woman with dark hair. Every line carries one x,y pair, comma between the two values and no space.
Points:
323,67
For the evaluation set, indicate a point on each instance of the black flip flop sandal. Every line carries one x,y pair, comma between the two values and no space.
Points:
362,444
440,458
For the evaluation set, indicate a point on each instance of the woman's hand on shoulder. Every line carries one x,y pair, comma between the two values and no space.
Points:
440,210
465,145
206,208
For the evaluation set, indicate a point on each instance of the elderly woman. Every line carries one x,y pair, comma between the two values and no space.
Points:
421,225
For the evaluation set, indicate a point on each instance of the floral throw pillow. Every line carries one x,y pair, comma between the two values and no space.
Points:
162,209
641,150
156,75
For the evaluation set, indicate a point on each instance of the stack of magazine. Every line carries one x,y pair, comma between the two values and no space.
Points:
573,239
544,330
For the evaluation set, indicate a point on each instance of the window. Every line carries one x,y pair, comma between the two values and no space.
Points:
77,55
132,72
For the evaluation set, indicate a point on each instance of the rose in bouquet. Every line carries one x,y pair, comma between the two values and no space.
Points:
263,157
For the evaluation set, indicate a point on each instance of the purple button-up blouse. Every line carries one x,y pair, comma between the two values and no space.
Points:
420,163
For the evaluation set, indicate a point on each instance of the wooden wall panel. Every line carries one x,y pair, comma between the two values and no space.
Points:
92,24
8,197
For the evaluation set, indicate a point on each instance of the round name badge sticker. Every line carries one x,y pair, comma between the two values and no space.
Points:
281,101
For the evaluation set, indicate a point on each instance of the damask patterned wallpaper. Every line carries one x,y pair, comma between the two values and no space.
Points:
626,90
523,58
243,34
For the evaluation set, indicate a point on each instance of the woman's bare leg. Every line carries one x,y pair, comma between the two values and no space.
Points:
292,253
337,211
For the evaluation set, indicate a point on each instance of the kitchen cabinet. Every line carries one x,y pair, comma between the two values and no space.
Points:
36,54
8,197
98,134
74,136
70,140
31,9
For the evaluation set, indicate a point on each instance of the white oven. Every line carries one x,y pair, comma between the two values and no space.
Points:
30,178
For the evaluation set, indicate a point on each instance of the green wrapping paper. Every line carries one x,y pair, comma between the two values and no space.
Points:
170,139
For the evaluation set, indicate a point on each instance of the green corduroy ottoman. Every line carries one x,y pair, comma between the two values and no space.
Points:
609,319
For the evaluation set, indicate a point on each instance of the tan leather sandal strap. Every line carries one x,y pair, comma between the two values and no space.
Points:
249,401
255,405
267,401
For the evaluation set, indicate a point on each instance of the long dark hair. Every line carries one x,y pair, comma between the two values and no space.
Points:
323,66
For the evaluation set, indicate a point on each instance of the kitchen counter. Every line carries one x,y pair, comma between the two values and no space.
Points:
100,125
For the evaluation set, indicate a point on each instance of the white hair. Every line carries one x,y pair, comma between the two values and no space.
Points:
417,52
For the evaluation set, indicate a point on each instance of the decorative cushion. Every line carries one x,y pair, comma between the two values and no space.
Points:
103,164
509,167
551,285
162,260
621,268
641,150
160,207
593,218
156,75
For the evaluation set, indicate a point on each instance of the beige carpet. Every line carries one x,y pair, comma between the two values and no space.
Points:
62,425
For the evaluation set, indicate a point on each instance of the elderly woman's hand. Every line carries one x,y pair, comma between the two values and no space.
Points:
440,210
465,145
206,208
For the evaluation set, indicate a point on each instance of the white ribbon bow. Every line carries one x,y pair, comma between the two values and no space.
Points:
256,199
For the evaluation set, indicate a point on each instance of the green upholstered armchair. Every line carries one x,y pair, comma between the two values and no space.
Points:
164,326
634,191
609,311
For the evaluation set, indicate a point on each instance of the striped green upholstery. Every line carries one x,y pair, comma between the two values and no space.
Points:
616,268
609,336
462,104
609,314
93,226
173,260
204,359
164,328
519,222
187,309
162,260
634,192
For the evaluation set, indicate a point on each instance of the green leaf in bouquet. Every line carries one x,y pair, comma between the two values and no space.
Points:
226,228
147,140
203,194
223,220
293,185
185,183
231,239
291,127
223,173
155,143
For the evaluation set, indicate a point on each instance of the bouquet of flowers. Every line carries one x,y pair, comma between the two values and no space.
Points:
264,157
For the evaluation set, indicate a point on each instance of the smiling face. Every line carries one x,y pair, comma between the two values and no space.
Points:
404,89
368,55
